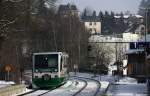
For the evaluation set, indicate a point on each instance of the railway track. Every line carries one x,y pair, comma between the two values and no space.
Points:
28,92
37,92
88,90
81,88
75,86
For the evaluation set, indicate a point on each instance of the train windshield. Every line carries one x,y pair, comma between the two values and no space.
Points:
46,61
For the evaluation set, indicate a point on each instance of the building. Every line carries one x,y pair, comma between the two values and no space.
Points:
117,44
138,59
68,10
92,23
136,62
130,18
148,64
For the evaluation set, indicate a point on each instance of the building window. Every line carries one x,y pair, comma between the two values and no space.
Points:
90,23
94,29
94,23
106,38
90,29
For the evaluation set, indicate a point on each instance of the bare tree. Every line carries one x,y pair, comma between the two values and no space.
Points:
103,55
30,31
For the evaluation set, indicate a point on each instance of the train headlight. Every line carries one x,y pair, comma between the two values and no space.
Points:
36,70
55,70
36,77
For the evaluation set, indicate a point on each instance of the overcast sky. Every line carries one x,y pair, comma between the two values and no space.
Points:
109,5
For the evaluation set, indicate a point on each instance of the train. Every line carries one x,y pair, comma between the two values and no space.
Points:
49,69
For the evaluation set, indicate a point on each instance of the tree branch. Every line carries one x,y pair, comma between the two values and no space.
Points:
10,22
15,1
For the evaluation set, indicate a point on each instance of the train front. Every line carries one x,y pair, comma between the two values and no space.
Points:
46,70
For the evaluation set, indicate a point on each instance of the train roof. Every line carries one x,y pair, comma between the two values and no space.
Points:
42,53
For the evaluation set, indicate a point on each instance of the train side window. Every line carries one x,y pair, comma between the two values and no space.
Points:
36,77
43,77
61,61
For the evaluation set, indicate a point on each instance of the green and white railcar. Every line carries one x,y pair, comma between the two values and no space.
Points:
49,69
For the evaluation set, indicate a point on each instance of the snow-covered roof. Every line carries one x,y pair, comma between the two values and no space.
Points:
138,16
126,16
117,16
101,38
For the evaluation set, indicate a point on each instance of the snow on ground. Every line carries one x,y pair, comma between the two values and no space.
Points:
6,83
105,80
27,90
125,86
81,74
67,90
67,84
108,78
90,89
104,85
10,83
127,90
127,80
37,93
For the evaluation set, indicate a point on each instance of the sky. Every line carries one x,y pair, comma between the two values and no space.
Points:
110,5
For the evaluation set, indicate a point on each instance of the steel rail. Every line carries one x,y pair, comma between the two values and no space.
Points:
81,88
30,92
98,83
51,89
76,83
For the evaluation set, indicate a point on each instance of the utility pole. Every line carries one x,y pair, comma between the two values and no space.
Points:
145,47
146,9
79,49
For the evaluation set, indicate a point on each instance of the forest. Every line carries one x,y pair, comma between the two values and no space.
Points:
29,26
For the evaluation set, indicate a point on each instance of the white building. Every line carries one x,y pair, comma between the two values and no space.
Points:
92,23
130,37
93,26
118,45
